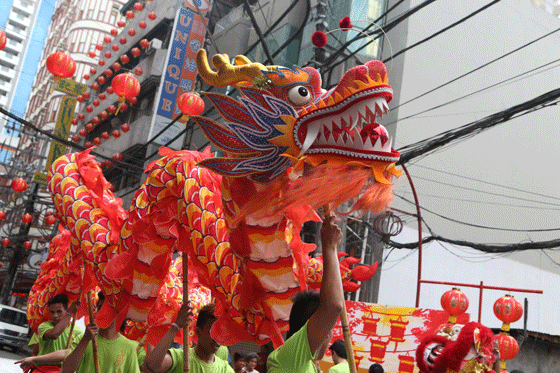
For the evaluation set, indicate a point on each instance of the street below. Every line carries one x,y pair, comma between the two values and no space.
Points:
7,359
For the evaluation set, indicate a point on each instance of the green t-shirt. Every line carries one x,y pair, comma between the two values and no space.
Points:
46,346
141,353
294,356
340,368
34,340
115,356
223,353
195,364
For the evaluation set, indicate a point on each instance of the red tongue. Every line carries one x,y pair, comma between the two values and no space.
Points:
374,131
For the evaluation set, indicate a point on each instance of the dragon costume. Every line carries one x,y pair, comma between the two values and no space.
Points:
288,147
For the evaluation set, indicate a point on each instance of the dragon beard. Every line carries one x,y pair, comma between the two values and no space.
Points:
324,185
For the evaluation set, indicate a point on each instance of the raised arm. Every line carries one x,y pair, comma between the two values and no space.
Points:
72,361
56,331
331,299
157,359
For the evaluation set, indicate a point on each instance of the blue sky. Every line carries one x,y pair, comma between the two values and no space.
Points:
31,63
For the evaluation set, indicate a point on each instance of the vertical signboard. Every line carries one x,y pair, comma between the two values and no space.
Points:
179,74
62,129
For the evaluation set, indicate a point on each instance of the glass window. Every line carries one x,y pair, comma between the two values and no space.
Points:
13,317
113,17
90,14
100,15
82,47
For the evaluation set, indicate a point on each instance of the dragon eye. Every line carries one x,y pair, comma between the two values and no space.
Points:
299,95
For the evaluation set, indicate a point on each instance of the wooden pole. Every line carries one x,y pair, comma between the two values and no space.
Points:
94,340
347,339
185,299
71,330
142,343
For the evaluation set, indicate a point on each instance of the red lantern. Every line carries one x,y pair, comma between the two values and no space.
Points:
132,101
86,77
74,122
138,71
455,302
27,218
130,14
92,54
190,103
19,185
125,86
144,43
93,71
112,109
135,52
90,127
96,102
101,62
115,47
61,65
508,346
142,24
80,98
123,107
108,73
104,115
107,39
95,86
75,138
97,141
108,54
121,23
81,116
108,163
118,157
3,39
508,310
95,120
114,32
105,135
116,134
82,132
102,79
116,66
138,6
152,15
131,32
51,219
6,241
27,245
88,144
125,59
2,215
99,47
124,127
102,96
89,108
86,95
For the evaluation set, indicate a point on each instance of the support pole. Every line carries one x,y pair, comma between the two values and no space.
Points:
348,339
71,330
185,299
94,340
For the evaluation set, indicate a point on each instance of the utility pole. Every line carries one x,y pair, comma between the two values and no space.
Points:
19,252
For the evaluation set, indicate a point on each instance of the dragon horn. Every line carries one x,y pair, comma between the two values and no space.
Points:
227,74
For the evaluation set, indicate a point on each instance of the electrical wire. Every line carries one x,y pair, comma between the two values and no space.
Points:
477,225
479,68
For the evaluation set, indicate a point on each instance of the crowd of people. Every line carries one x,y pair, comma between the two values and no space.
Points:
312,319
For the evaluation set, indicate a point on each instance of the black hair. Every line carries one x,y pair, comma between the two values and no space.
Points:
239,356
252,355
339,348
305,305
59,298
205,314
376,368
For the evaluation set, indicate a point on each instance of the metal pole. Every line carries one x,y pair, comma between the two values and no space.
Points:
419,217
480,301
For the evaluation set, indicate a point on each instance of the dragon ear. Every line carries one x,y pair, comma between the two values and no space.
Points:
222,137
225,166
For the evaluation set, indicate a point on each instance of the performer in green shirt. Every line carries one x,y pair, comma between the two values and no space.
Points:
313,315
339,357
202,358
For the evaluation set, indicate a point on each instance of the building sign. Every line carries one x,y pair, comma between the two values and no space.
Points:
62,129
70,87
201,6
387,335
179,74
